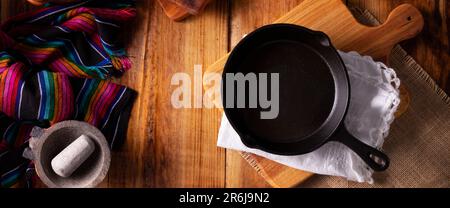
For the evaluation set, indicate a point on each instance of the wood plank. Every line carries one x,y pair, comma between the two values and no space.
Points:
177,147
128,166
10,8
431,48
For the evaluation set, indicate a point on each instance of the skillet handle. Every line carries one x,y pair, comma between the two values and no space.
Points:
322,38
374,158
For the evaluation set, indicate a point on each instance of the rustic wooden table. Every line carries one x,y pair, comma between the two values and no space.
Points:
169,147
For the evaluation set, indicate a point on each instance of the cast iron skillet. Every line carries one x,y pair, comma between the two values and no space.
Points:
314,93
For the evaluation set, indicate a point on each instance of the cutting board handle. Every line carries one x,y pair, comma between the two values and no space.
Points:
404,22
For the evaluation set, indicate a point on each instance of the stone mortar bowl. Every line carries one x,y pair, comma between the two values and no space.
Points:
45,144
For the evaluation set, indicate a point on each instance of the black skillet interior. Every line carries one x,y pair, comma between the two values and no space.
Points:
313,90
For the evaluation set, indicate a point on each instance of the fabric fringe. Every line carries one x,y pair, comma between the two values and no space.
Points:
257,167
404,58
121,63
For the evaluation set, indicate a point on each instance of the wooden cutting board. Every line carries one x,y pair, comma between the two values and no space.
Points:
333,18
192,6
173,11
178,10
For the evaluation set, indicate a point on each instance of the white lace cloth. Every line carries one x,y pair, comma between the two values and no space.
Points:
374,100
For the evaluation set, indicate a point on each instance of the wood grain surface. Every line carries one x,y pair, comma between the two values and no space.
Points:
168,147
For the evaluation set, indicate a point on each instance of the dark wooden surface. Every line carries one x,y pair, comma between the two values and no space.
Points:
165,146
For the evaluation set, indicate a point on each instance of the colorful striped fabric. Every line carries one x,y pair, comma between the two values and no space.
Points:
79,39
15,135
52,65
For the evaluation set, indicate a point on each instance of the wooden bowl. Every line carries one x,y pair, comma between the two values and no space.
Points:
47,143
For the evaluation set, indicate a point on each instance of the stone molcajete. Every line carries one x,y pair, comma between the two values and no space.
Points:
46,144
